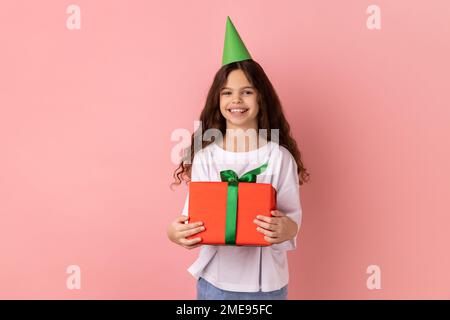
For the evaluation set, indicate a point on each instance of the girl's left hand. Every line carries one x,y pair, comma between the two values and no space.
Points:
276,229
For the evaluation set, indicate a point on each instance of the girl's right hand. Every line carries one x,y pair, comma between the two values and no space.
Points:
178,231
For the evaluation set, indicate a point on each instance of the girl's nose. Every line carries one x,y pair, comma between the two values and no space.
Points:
237,99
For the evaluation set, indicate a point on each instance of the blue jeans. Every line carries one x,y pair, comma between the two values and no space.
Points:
206,291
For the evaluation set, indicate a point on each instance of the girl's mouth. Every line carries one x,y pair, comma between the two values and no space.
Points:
237,112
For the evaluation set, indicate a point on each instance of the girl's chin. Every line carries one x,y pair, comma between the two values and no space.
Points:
239,122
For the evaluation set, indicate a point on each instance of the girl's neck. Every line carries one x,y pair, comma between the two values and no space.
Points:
243,142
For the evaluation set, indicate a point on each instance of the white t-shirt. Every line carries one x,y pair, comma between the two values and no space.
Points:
240,268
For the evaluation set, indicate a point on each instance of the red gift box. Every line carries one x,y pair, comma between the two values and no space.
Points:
227,209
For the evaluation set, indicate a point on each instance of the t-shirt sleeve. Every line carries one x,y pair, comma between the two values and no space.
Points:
186,206
288,198
199,172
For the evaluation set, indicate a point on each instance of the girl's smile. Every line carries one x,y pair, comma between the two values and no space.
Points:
237,110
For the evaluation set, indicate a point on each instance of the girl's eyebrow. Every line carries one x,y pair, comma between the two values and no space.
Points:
246,87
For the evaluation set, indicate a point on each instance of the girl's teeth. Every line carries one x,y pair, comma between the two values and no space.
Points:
238,110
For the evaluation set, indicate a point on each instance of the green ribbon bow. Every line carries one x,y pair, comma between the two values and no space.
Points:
232,197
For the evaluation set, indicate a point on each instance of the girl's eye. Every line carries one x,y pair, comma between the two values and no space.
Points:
228,92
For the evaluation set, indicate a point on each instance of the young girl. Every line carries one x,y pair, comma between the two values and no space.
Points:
242,98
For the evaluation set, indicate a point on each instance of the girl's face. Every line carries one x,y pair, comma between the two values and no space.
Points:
238,102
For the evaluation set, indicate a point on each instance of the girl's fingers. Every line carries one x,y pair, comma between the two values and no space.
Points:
191,232
266,232
277,213
190,242
267,219
184,227
265,225
271,240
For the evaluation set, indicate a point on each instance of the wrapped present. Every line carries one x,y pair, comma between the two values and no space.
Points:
228,208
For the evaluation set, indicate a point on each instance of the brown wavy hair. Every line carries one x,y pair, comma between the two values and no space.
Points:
270,116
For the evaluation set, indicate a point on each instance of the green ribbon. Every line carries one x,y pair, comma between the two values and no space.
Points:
232,197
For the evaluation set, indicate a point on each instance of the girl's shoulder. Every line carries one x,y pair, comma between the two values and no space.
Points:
203,154
281,152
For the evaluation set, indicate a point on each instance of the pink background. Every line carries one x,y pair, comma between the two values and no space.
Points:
86,118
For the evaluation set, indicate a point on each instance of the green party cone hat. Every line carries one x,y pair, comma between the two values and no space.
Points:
234,48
